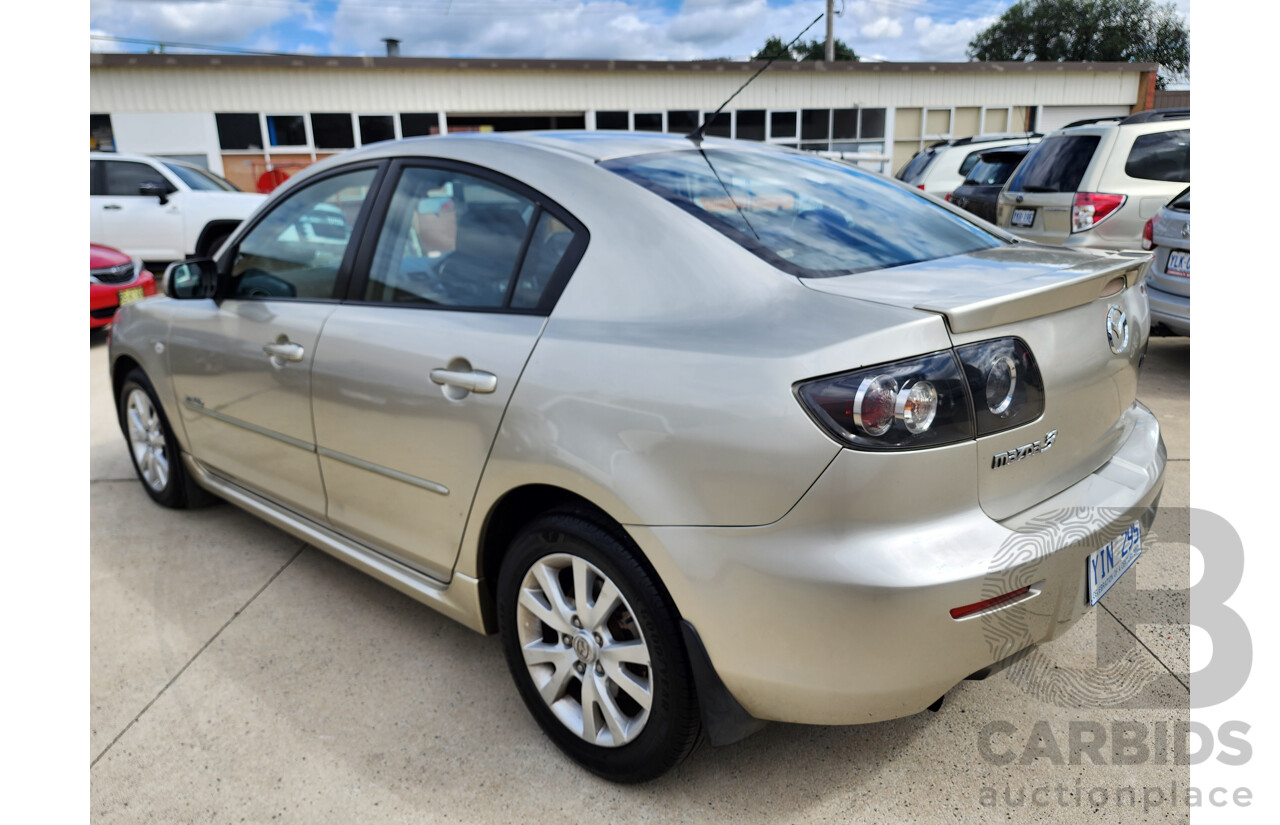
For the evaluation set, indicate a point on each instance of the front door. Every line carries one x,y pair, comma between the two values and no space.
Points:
120,216
413,375
241,364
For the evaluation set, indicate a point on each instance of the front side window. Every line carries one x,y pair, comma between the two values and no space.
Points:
296,251
805,215
124,177
449,239
1161,156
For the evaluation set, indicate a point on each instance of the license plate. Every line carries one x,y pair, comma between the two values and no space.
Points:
1023,217
128,296
1107,564
1179,264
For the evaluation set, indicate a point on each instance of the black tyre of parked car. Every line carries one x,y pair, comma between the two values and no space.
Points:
593,643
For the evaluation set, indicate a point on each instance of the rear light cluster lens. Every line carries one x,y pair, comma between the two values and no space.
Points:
1149,234
1005,383
1092,208
936,399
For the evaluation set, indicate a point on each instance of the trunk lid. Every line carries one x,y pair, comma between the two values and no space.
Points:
1057,301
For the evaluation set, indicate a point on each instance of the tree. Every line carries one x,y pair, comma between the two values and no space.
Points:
812,50
1085,30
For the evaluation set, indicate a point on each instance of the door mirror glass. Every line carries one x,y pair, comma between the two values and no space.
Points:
194,278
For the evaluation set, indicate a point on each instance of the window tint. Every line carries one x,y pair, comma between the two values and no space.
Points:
804,215
1161,156
970,161
449,239
95,178
297,249
332,131
239,130
375,128
199,179
1056,164
124,178
547,248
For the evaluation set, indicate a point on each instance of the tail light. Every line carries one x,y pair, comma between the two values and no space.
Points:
1148,234
929,401
1092,208
947,197
920,187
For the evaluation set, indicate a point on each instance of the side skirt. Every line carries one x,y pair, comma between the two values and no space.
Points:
460,599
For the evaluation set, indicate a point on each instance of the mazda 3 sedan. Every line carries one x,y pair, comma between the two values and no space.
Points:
711,434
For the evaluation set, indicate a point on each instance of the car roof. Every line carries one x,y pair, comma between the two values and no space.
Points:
589,146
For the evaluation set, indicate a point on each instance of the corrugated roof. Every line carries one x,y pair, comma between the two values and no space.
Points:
122,60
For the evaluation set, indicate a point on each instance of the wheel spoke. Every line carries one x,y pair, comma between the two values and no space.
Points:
631,653
627,682
590,729
610,711
550,584
533,602
581,590
161,466
604,606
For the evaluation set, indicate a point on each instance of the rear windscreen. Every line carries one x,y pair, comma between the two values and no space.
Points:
916,166
1161,156
1056,164
805,215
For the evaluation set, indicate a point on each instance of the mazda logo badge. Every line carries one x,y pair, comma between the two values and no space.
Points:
1117,330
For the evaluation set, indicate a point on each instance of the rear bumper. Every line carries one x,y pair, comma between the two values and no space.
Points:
839,612
1173,312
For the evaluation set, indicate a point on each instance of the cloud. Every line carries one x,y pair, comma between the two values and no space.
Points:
194,21
881,28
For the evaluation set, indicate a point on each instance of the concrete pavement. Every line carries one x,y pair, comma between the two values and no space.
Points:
238,675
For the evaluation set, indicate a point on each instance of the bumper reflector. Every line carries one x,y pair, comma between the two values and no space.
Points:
986,604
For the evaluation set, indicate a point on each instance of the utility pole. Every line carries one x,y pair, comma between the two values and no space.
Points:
831,43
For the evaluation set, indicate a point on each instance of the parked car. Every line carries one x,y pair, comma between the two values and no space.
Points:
708,437
1095,183
981,188
940,168
1169,281
160,209
115,280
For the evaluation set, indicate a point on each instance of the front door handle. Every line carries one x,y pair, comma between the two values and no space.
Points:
284,351
469,380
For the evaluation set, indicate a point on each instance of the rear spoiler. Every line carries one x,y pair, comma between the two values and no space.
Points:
1063,290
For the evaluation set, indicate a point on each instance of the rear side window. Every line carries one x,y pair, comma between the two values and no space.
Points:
1161,156
1056,164
916,166
970,161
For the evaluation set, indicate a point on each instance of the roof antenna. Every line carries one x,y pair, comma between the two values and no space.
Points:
696,134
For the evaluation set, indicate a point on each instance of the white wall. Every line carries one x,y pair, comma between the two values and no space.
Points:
168,133
1055,117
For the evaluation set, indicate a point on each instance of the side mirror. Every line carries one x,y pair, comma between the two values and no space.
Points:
155,189
194,278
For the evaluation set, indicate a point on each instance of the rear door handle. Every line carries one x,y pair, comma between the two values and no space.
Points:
469,380
284,351
112,206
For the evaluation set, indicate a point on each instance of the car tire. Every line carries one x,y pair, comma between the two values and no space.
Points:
156,457
613,653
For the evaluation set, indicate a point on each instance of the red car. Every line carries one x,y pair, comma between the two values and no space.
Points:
115,279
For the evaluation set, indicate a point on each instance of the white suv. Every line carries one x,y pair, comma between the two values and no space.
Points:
159,209
941,168
1095,183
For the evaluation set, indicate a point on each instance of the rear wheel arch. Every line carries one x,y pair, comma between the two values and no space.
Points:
522,505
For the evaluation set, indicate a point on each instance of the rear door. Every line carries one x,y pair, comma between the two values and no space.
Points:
241,364
1036,203
413,373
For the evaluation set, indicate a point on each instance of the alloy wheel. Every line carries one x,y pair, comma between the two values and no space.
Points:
146,440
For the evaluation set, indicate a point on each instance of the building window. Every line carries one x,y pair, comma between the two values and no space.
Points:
414,124
101,138
287,130
239,131
872,123
682,121
375,128
782,124
815,125
332,131
648,121
718,125
612,120
750,124
844,124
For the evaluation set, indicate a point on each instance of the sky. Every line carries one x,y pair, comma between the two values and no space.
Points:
901,30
